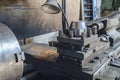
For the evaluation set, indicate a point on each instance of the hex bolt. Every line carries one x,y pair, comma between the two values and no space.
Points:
94,50
92,61
96,58
89,32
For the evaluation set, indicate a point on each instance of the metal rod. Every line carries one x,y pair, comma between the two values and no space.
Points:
24,41
65,24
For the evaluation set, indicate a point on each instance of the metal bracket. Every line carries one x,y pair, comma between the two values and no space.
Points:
116,63
19,57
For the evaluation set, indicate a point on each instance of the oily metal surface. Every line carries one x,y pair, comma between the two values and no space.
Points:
111,73
9,68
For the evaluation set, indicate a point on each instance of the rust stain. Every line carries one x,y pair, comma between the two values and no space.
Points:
41,52
44,53
8,2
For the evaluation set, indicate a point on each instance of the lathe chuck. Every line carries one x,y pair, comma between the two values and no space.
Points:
11,57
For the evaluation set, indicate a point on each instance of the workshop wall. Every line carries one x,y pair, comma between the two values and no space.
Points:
26,19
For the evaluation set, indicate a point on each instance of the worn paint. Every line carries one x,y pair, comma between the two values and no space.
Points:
26,19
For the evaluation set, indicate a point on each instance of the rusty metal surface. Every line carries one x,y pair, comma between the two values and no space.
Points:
41,51
10,68
26,19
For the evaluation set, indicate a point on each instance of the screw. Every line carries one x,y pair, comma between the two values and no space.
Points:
97,58
92,61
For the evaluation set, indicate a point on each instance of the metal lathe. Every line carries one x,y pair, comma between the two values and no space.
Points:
87,50
94,46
